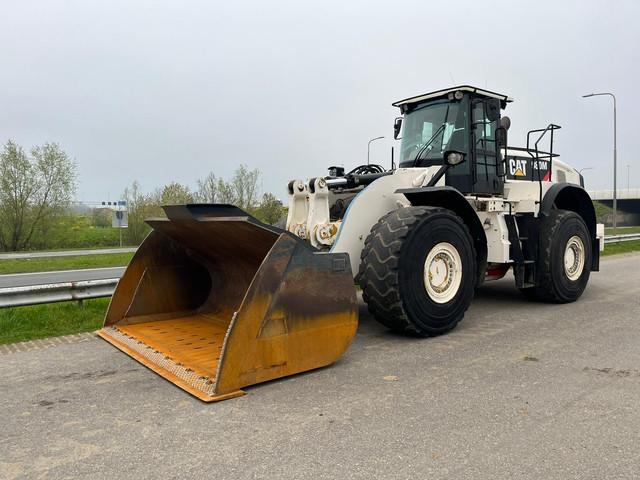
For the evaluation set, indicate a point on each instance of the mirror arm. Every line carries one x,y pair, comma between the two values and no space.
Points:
438,175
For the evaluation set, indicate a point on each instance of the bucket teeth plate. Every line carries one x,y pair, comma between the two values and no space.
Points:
199,385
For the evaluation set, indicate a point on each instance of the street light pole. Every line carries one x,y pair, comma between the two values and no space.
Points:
628,175
615,157
369,145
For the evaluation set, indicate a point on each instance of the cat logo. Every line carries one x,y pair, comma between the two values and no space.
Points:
517,167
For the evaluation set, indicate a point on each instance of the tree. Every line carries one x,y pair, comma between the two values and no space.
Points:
226,193
214,190
139,207
32,192
270,209
174,193
57,179
241,191
207,189
245,187
16,190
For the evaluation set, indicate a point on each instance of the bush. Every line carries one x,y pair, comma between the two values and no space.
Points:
75,231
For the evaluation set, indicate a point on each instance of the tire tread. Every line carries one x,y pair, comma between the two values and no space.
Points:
546,289
380,263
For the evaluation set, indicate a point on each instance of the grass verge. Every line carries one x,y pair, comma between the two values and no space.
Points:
622,247
40,321
26,265
621,230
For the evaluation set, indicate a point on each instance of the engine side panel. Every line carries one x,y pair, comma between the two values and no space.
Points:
372,203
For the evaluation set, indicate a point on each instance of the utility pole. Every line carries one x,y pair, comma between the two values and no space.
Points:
615,157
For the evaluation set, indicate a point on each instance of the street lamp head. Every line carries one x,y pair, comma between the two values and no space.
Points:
615,155
369,144
598,94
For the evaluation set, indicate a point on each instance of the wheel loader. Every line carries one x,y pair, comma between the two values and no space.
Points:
215,301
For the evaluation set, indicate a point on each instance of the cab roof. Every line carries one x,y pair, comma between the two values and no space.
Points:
402,104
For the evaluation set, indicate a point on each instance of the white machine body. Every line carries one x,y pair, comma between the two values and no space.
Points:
309,217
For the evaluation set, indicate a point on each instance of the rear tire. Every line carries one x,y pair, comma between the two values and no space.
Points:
417,270
564,263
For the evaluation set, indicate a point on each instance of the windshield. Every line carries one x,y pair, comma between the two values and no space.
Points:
431,130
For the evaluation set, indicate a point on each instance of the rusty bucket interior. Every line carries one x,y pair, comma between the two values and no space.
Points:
214,301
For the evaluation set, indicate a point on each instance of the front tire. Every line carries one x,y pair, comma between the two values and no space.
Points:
565,256
417,270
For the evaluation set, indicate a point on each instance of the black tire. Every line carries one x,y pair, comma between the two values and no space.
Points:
553,283
392,270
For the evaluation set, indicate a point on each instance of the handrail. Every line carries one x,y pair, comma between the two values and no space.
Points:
549,128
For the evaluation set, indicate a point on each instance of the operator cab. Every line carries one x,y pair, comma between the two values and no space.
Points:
462,119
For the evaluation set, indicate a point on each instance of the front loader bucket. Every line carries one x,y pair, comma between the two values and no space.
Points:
214,301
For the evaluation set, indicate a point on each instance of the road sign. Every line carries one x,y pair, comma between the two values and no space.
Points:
120,219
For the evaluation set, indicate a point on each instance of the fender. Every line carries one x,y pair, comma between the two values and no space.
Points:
452,199
368,206
567,196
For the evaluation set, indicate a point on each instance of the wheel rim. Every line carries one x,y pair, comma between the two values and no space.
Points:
442,272
574,258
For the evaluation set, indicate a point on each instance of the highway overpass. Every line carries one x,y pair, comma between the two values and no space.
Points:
628,204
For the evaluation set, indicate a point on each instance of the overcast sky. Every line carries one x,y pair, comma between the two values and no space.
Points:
162,91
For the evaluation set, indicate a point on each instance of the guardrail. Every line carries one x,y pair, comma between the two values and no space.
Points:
56,292
626,237
65,253
84,290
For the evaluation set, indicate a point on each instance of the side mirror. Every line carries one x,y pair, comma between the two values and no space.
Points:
493,109
501,131
397,125
453,158
501,136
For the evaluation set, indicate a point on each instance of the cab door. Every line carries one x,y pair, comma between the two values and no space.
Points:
486,161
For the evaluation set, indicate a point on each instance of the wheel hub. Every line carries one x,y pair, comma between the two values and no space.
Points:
442,272
574,258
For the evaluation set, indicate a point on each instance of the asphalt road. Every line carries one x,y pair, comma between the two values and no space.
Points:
42,278
519,390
